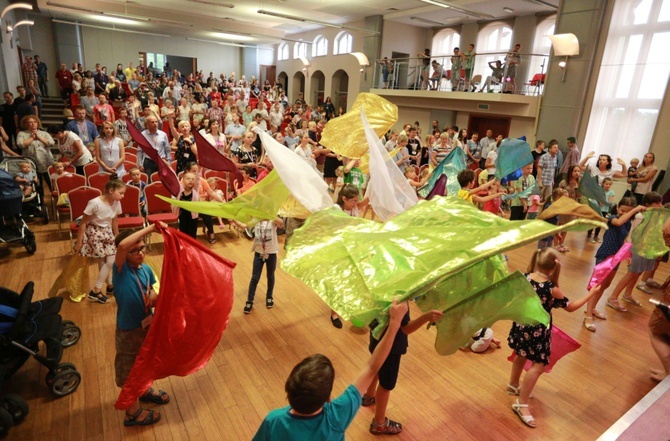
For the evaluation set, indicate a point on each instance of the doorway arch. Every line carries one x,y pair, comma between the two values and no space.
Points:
282,80
339,89
297,85
317,85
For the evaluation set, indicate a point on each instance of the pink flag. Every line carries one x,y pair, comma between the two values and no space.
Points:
561,344
604,268
192,312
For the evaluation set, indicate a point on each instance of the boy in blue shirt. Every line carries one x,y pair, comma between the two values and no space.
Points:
312,415
135,297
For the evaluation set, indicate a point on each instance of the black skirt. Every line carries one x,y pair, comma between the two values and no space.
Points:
330,166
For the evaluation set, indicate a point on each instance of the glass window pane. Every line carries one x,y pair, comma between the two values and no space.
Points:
664,15
625,80
653,82
641,12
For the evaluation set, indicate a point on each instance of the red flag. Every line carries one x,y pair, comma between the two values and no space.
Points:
561,344
209,157
168,176
192,312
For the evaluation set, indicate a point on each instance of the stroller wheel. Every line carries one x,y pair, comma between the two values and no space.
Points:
16,406
70,334
30,244
6,422
64,383
63,367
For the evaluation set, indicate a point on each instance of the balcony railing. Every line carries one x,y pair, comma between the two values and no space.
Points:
491,73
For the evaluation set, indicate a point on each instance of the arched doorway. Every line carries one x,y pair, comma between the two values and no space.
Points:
298,85
282,80
316,92
339,89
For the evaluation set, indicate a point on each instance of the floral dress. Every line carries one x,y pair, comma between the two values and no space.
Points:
533,342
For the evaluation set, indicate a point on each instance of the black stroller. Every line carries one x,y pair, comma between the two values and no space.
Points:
12,226
33,206
23,324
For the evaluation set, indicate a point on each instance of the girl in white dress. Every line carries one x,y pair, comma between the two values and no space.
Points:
110,151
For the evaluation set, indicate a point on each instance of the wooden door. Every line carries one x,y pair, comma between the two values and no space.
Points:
481,123
268,73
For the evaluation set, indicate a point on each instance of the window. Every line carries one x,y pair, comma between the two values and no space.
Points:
494,40
158,60
320,46
282,52
633,74
299,50
444,43
343,43
542,45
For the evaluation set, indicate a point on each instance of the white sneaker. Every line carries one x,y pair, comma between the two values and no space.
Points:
651,283
642,287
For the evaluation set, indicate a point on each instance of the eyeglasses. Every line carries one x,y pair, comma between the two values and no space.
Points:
139,250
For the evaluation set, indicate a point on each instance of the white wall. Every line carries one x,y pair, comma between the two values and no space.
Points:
111,48
41,34
10,56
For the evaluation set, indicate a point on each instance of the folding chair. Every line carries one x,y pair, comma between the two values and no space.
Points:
222,184
63,185
216,174
155,177
54,192
129,164
157,209
79,198
132,150
130,157
98,181
143,177
131,214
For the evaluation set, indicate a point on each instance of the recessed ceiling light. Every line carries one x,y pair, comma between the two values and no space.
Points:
115,20
510,10
234,37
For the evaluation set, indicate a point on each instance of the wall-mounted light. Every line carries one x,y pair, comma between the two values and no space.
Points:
11,7
565,45
10,29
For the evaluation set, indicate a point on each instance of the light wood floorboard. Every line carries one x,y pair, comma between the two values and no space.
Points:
459,397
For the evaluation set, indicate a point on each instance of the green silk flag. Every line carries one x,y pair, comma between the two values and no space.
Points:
358,266
513,154
261,201
590,188
647,238
512,298
533,189
450,166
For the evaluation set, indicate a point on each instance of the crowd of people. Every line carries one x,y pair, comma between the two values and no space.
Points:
168,108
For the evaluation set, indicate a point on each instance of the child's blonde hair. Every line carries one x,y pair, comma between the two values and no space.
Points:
425,172
546,261
339,171
557,194
58,163
634,161
212,182
402,138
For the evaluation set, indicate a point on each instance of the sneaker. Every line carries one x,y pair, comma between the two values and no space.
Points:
249,232
651,283
642,287
98,297
336,322
388,428
269,303
247,307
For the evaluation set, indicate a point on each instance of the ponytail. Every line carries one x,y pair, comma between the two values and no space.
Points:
114,183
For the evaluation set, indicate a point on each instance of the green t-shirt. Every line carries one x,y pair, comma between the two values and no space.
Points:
355,177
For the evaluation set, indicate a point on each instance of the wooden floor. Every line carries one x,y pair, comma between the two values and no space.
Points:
459,397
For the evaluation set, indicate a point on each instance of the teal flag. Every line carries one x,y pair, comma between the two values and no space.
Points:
533,189
647,238
590,188
450,166
513,154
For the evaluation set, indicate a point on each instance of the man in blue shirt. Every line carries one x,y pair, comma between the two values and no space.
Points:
159,141
311,414
83,127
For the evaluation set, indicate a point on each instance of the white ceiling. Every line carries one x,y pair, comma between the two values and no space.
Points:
202,18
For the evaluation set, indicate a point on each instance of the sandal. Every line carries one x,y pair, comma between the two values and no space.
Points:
212,239
150,397
528,420
589,326
388,428
614,304
599,315
132,420
631,300
516,391
367,401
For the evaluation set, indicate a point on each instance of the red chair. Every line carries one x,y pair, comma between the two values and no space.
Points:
155,177
131,214
79,198
74,100
63,185
130,157
54,192
129,164
158,209
143,177
222,184
216,174
173,165
98,181
91,168
132,150
126,88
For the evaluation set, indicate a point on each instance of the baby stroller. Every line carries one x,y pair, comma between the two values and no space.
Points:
23,325
12,226
33,205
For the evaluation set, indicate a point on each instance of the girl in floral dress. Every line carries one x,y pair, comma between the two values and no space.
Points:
533,342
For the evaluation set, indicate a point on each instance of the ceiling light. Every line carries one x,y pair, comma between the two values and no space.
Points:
114,20
223,43
204,2
316,22
424,20
74,8
11,7
543,3
456,8
510,10
74,23
10,27
228,36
